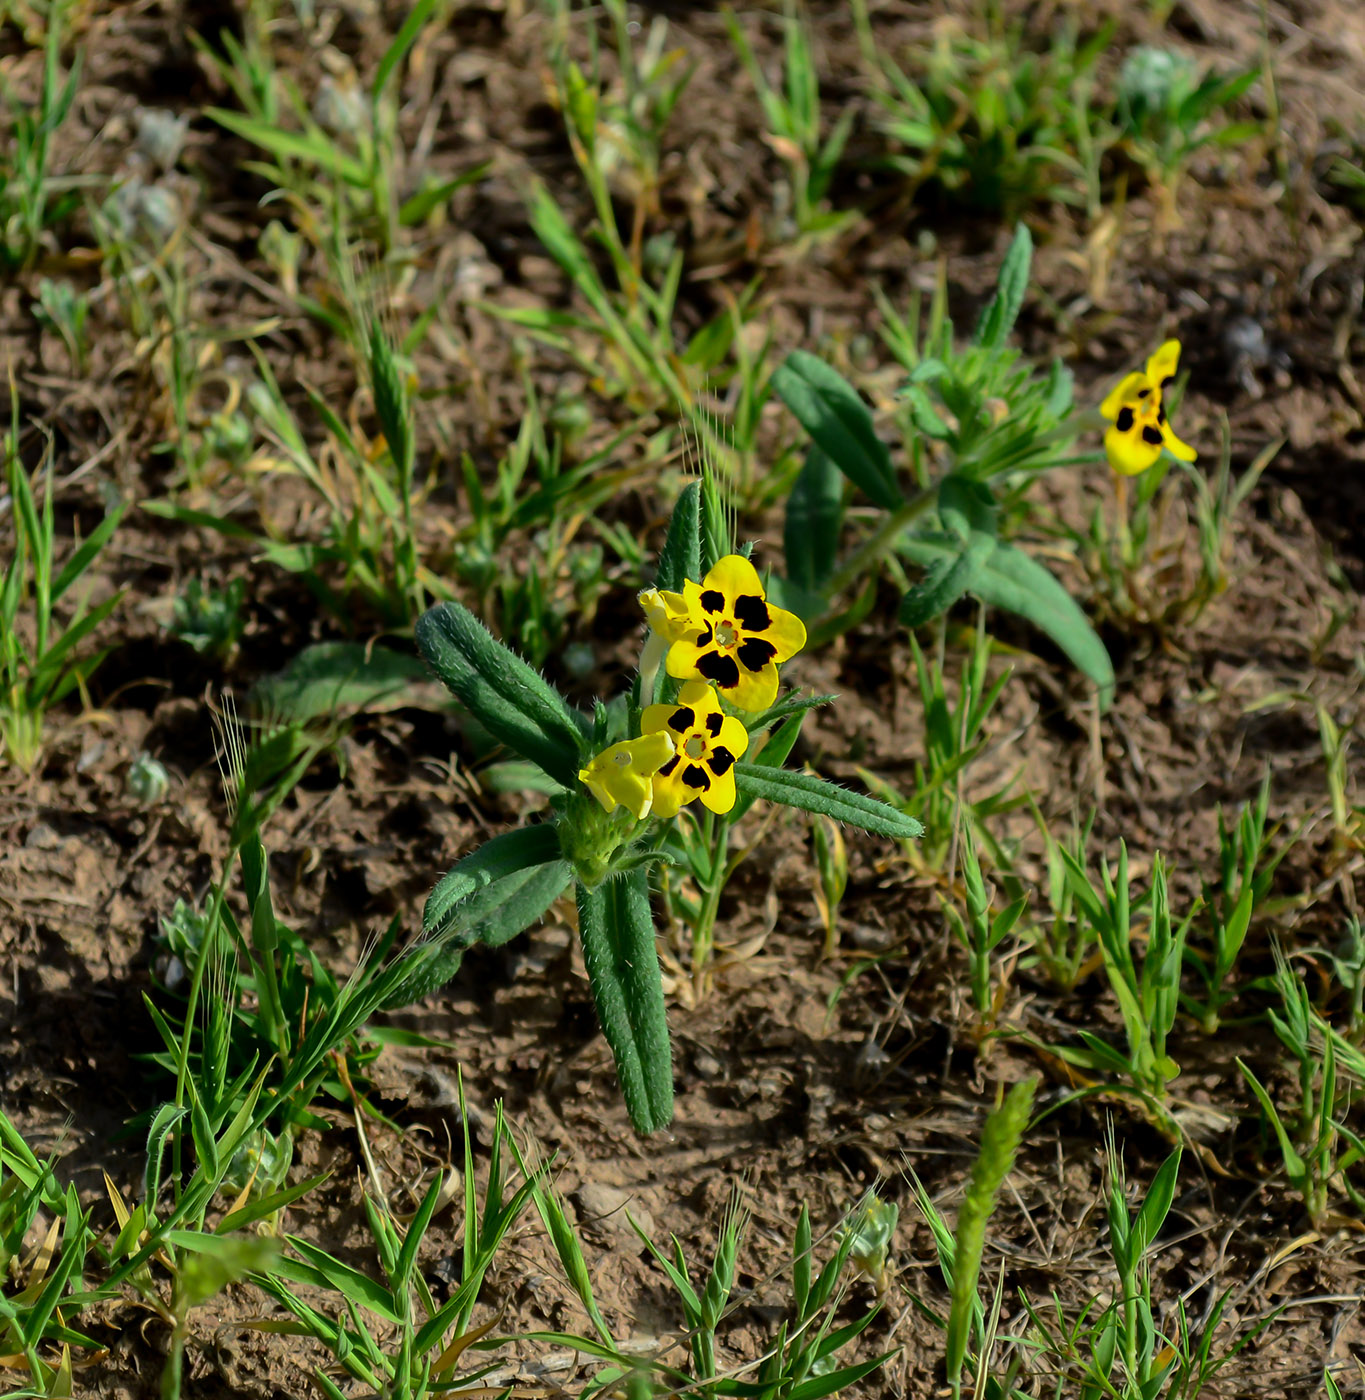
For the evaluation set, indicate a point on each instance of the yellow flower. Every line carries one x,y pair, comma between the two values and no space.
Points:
623,774
666,613
1134,407
736,638
707,744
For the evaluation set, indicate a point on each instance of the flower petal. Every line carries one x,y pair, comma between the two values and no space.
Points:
667,613
1162,366
786,632
733,736
753,690
1128,454
735,577
720,796
620,775
1125,391
669,793
1173,444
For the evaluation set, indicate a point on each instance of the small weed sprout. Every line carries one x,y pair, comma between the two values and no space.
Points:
40,659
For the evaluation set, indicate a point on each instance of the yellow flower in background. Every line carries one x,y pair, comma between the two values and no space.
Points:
736,638
707,743
1135,409
622,775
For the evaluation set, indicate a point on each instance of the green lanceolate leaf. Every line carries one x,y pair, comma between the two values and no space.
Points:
826,799
998,319
999,1142
328,678
815,515
494,861
489,898
965,506
1014,581
510,699
829,409
946,580
617,931
680,557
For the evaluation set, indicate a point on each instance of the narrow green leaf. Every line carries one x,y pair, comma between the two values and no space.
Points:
403,41
619,949
815,517
1001,312
510,699
812,794
946,580
680,557
829,409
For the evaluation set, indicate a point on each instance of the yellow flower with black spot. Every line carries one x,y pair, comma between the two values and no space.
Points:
707,743
736,638
623,775
1137,414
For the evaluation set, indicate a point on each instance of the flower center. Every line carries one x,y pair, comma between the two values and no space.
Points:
695,747
726,634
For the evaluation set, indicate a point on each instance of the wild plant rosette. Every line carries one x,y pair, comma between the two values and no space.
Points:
691,732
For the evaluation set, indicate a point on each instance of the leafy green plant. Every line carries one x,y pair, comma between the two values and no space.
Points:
1064,941
393,1336
1167,113
805,1358
607,774
40,661
983,120
36,1282
209,619
955,734
1246,868
1316,1146
32,198
349,144
980,930
793,117
1120,1350
1147,988
992,423
64,310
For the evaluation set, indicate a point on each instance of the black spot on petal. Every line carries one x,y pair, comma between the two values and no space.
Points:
1124,422
1142,393
713,601
714,722
1161,414
752,613
721,760
1151,435
716,666
667,770
697,777
1169,379
755,653
705,639
682,719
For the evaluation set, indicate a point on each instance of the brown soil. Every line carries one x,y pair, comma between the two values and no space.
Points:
777,1092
